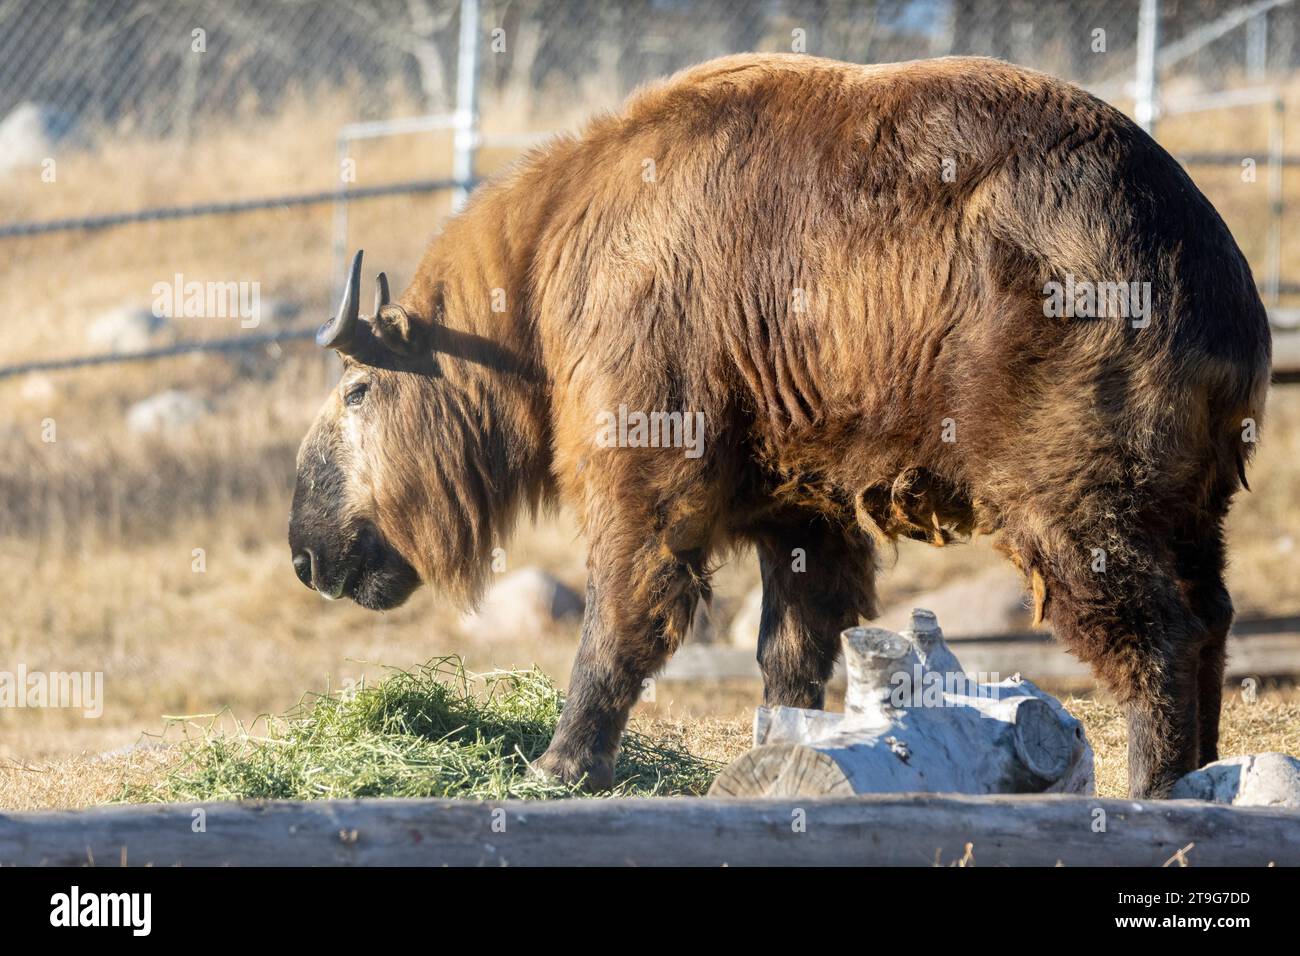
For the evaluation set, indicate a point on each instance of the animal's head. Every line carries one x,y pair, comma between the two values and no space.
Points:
368,487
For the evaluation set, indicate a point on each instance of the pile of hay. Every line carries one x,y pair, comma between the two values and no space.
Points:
436,731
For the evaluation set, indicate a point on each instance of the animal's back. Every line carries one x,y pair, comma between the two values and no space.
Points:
862,254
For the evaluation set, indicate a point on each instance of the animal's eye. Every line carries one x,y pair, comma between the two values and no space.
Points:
356,394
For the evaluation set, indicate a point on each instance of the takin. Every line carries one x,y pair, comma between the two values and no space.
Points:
813,308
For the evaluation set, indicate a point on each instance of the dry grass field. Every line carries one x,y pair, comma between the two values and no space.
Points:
98,529
709,722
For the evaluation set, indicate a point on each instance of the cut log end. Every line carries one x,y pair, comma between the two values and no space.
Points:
924,630
924,621
1043,745
874,647
782,770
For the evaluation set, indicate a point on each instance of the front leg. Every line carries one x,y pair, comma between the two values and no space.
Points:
625,639
602,689
816,581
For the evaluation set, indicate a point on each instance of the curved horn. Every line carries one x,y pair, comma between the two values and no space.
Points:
340,332
381,292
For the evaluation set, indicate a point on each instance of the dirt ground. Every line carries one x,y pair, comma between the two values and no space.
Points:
100,531
709,721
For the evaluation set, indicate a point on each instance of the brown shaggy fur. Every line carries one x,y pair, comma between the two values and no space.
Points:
772,241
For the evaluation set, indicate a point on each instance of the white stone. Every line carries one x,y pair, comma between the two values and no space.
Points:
125,329
37,388
166,411
990,602
1253,780
528,602
30,134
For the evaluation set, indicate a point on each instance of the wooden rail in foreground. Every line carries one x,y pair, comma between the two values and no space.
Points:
868,830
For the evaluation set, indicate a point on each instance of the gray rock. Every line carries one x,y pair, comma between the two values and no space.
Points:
991,602
1253,780
166,411
277,313
125,329
30,134
529,602
37,388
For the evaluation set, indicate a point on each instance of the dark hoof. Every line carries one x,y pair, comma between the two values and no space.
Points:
594,773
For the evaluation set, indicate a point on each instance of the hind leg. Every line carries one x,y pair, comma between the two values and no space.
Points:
817,579
1210,686
1200,561
1134,625
1145,644
1163,720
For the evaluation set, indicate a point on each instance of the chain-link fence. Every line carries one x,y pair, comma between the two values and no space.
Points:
77,74
259,140
160,66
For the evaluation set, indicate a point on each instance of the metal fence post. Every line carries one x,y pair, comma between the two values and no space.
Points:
1276,197
466,141
1257,47
339,252
1146,93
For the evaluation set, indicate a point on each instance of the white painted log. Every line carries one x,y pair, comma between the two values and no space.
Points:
895,829
1254,780
913,721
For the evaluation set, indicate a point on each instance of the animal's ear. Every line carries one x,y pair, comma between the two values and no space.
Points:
395,327
400,331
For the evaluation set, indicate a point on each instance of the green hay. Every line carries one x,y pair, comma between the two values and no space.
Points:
428,732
